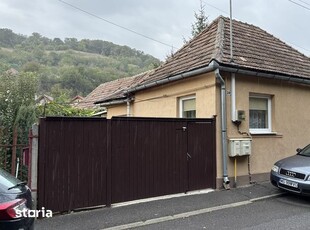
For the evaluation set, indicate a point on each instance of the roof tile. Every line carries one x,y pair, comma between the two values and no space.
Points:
253,48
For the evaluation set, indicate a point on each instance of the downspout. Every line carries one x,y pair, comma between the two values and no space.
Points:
233,96
224,128
128,107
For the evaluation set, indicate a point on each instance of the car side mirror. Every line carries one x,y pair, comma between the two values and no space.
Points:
298,150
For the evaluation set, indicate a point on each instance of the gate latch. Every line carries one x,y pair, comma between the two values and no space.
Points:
184,128
188,156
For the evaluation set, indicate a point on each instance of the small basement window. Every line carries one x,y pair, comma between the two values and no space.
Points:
187,107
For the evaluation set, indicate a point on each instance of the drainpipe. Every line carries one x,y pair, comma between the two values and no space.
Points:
224,128
128,107
233,97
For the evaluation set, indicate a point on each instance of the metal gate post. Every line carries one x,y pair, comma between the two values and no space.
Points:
33,167
13,160
109,163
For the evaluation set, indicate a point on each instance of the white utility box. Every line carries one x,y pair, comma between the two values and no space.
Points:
239,147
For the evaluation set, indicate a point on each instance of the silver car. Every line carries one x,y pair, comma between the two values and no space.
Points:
293,173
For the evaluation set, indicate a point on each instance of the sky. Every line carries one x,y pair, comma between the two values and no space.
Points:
156,27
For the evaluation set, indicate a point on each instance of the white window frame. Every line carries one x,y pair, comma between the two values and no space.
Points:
267,130
181,99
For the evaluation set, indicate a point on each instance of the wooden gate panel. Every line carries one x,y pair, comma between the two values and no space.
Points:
72,163
149,161
201,150
86,162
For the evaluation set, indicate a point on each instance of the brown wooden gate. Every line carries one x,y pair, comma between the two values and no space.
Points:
72,163
87,162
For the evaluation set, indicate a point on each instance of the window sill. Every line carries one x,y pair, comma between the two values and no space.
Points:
266,134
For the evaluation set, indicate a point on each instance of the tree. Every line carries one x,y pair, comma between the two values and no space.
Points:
16,95
62,109
17,111
201,20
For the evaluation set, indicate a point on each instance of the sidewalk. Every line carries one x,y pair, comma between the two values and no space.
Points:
159,210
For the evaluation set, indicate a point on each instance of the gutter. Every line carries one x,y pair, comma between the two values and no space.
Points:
116,102
211,67
257,73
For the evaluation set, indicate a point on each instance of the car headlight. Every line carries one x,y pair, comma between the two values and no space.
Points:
275,168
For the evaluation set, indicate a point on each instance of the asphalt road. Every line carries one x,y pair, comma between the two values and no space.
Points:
256,207
285,212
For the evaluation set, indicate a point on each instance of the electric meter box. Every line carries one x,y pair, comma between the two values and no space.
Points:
240,147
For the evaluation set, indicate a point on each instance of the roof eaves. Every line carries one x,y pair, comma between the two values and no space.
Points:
112,102
204,69
265,74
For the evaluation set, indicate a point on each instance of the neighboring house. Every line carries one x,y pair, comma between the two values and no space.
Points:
43,99
261,93
114,90
76,100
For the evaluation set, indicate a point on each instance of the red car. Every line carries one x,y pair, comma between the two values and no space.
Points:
15,200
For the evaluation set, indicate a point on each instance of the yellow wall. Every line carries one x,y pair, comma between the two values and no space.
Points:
290,115
290,121
117,110
162,101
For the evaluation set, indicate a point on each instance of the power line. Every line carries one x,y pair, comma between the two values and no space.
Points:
307,8
217,8
288,0
304,2
298,4
117,25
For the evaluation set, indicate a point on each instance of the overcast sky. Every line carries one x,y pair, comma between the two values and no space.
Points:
165,21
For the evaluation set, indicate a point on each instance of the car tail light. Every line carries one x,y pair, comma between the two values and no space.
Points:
12,209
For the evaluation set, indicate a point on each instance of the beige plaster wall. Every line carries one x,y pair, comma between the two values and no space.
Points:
290,122
117,110
162,101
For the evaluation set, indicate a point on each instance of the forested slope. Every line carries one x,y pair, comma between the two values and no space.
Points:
70,67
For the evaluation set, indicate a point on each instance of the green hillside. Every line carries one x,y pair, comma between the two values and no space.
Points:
70,67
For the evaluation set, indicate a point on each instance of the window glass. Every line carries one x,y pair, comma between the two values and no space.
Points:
258,113
188,107
306,151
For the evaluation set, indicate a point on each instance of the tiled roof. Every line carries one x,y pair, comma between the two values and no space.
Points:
111,89
253,48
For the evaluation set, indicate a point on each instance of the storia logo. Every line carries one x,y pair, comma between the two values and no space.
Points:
34,213
290,173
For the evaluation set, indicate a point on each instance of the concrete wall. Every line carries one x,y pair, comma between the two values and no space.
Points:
290,117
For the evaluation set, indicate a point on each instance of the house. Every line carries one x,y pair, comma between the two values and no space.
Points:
43,99
114,90
259,92
76,100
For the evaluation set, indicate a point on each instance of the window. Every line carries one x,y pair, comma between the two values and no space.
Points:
187,107
260,114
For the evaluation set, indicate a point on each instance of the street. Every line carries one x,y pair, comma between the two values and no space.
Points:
259,206
285,212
